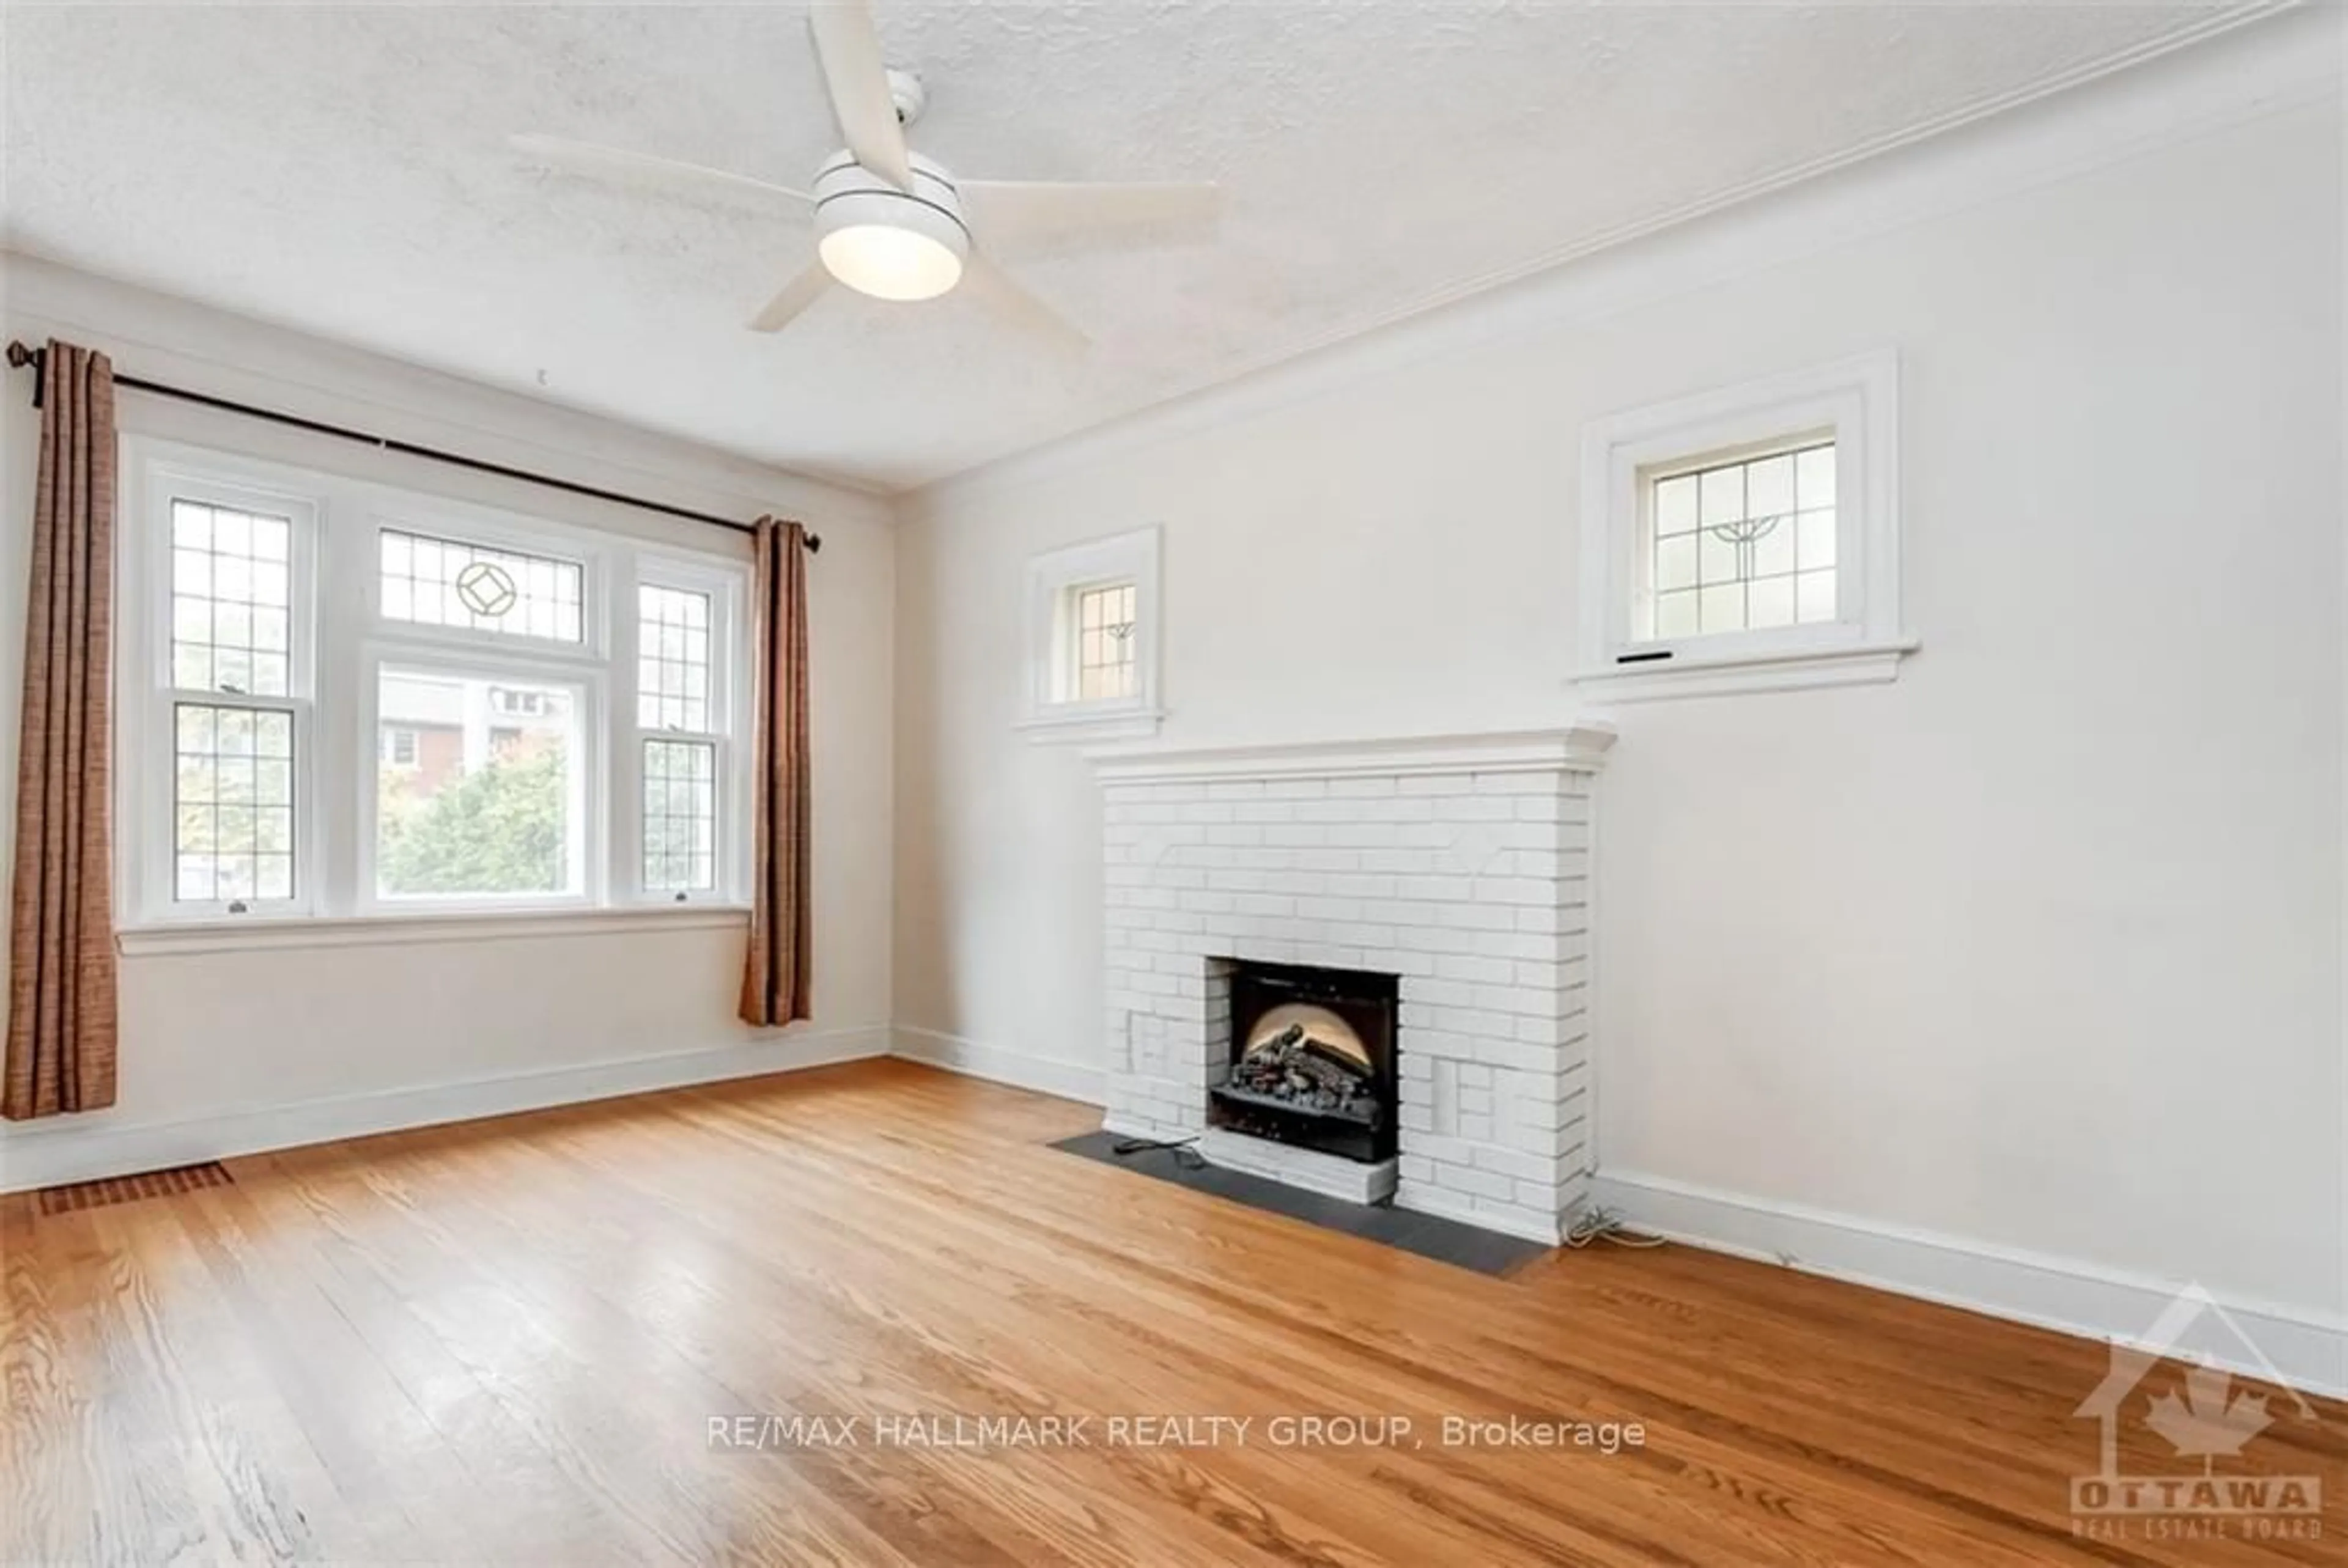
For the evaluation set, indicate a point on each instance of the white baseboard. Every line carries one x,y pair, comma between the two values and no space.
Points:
2305,1346
74,1149
1021,1070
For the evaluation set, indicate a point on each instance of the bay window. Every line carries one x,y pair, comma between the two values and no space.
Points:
345,699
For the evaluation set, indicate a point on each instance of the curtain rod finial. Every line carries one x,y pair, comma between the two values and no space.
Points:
19,356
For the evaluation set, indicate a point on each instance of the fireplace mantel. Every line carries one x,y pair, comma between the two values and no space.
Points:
1581,747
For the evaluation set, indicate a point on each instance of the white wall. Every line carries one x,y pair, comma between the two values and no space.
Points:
228,1052
2035,954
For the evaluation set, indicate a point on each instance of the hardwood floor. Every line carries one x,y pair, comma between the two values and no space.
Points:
509,1341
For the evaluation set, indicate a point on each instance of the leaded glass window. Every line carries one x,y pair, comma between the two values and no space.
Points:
1742,546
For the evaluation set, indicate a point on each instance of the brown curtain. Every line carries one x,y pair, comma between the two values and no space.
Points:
776,977
60,1054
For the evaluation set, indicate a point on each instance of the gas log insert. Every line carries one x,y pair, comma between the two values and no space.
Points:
1311,1059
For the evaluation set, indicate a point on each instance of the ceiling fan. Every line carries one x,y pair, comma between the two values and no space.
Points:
895,225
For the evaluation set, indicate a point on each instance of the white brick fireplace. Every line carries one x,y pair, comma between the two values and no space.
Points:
1461,864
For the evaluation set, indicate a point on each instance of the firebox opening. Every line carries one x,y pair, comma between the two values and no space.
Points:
1309,1059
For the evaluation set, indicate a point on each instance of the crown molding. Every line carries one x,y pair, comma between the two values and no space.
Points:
1576,748
2244,65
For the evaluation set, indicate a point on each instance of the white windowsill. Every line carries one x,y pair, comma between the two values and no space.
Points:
264,933
1852,664
1050,728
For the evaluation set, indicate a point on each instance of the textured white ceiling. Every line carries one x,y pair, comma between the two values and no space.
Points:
342,170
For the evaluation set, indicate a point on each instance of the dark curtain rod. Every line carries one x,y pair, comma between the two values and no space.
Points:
21,356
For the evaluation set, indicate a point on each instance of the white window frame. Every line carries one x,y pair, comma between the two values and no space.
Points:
1855,403
1053,579
730,695
432,517
146,726
429,656
340,642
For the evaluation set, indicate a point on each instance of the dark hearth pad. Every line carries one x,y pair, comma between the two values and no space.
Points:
1429,1235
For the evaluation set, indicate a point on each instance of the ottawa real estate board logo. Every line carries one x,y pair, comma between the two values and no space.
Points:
2181,1451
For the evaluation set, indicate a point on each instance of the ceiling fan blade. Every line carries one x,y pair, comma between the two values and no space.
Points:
796,296
848,46
995,290
1027,214
658,173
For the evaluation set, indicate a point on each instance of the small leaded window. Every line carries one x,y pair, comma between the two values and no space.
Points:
1744,538
1092,638
1104,623
1742,546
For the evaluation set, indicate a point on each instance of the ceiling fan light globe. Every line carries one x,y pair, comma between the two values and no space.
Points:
889,262
883,239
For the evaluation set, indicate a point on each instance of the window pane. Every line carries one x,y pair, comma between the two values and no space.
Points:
1104,651
1723,494
1815,596
230,592
445,582
672,658
477,786
1676,563
233,804
1769,602
1769,486
1717,554
1818,539
1732,534
1675,614
1813,479
1675,505
680,780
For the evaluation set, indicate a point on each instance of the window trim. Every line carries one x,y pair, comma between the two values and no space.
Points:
1054,577
163,822
375,655
730,695
338,643
147,725
1855,402
428,517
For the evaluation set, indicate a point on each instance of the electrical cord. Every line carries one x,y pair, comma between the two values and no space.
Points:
1188,1158
1596,1225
